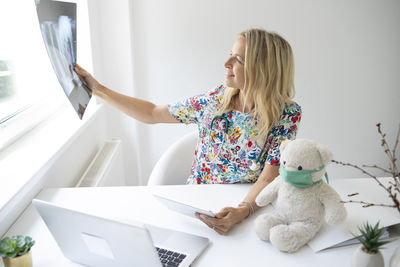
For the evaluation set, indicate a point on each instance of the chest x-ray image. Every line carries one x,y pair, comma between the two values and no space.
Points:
58,26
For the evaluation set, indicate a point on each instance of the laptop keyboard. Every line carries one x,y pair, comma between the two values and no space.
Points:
170,258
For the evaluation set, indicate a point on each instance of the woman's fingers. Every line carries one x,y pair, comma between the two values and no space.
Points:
208,220
224,220
225,211
221,231
202,218
79,68
81,72
87,79
216,224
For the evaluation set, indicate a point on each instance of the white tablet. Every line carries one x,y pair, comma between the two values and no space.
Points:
182,207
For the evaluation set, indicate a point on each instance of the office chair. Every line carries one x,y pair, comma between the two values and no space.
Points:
175,164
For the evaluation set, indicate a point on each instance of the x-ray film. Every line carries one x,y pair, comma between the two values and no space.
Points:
58,26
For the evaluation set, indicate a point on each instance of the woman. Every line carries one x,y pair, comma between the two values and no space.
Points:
240,126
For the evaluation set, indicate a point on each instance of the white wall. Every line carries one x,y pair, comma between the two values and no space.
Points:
346,54
112,60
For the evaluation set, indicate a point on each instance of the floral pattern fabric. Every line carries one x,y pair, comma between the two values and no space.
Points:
225,152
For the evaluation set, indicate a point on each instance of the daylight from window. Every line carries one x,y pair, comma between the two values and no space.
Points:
26,76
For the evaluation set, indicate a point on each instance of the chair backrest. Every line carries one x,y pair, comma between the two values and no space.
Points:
175,164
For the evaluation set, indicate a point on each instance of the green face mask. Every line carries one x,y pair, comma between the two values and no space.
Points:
300,179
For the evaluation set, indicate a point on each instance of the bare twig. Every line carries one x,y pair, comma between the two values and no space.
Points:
363,171
396,142
394,187
377,167
384,144
396,173
353,194
367,204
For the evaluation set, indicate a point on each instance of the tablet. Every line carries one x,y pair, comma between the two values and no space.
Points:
182,207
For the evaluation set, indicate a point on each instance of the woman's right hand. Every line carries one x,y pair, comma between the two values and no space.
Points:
225,219
138,109
94,86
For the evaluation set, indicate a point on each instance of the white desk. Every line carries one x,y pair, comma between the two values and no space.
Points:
240,248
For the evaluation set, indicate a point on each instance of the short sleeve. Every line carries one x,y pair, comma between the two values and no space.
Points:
286,129
192,109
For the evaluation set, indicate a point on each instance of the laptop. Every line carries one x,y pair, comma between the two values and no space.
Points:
94,241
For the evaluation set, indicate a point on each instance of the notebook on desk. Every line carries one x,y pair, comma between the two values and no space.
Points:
96,241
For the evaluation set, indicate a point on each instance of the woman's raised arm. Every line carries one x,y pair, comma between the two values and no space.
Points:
141,110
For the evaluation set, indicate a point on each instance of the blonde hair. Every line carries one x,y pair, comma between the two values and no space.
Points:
269,78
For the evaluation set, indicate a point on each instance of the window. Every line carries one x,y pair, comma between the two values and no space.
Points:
29,90
29,93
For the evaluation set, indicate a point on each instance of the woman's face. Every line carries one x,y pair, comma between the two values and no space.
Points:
235,65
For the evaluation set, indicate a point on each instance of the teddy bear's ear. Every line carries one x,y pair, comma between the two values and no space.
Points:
284,145
326,154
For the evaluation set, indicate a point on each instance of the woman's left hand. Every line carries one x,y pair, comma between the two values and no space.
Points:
225,219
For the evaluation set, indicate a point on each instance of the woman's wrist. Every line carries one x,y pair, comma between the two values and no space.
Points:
244,212
247,207
100,91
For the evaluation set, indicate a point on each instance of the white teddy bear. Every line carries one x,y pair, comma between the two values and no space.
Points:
303,199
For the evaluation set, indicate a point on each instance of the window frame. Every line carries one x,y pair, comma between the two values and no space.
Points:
23,130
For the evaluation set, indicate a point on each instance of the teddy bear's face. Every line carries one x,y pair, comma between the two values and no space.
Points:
303,154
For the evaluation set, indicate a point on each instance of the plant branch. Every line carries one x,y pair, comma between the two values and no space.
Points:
363,171
384,144
396,142
377,167
367,204
394,187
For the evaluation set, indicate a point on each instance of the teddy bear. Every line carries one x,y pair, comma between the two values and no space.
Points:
300,197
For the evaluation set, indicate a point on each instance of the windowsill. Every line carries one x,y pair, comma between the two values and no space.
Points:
22,162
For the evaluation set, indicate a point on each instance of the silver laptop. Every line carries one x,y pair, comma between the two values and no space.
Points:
96,241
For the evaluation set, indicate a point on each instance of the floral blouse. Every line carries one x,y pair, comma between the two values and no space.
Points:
225,151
